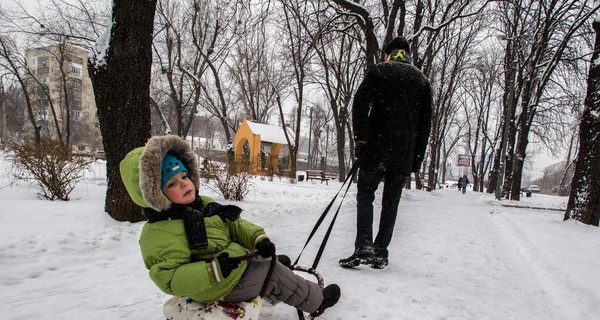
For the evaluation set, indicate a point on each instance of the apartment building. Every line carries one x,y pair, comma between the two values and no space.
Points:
62,95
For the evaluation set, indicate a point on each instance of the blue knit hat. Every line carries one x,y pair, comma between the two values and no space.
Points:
171,166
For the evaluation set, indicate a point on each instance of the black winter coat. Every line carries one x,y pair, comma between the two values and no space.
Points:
392,112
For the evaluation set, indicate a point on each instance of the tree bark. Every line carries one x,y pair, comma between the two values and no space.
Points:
122,92
583,203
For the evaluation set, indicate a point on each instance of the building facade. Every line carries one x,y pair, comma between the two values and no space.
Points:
62,95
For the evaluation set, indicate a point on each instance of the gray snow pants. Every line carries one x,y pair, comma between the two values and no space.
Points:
284,286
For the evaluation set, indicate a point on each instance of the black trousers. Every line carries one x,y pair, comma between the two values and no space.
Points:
368,181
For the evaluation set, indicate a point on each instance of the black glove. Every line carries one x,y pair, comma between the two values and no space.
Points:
265,248
359,148
227,264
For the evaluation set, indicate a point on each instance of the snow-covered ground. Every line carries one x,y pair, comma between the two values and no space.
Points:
453,256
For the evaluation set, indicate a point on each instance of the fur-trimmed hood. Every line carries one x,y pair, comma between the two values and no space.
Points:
140,170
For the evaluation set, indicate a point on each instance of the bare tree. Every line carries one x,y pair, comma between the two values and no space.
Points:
80,21
449,70
257,72
56,27
14,64
429,20
481,107
192,44
340,69
120,72
540,35
12,104
301,36
583,203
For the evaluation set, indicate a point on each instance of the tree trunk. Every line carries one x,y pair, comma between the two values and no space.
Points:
583,203
121,82
493,176
341,154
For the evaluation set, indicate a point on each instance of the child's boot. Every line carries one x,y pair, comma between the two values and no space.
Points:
284,260
331,295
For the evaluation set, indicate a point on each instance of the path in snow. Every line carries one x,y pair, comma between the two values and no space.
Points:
453,256
445,252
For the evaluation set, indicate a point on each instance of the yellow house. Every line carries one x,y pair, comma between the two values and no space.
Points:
257,147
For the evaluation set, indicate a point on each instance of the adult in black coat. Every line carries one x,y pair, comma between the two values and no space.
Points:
391,118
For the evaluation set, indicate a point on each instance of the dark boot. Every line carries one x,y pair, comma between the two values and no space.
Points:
284,260
331,295
379,262
357,258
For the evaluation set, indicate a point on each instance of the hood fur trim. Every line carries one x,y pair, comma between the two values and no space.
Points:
150,163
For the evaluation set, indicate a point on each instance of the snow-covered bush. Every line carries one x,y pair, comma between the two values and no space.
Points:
51,164
230,184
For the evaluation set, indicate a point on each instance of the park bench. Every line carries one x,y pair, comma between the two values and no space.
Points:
331,175
316,175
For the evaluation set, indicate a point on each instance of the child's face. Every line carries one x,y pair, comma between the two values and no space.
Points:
180,189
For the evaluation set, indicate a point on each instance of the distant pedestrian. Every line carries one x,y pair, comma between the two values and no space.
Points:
464,182
459,184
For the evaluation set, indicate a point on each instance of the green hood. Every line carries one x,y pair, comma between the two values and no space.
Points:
140,170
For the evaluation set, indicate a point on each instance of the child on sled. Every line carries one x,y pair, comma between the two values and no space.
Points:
192,245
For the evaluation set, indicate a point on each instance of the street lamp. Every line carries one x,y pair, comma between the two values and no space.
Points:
507,120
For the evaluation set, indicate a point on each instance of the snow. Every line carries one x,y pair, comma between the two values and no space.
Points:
100,50
453,256
270,133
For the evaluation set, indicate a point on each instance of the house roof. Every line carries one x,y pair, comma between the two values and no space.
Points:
270,133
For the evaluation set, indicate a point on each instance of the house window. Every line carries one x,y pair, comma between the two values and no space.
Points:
75,59
75,70
43,61
43,70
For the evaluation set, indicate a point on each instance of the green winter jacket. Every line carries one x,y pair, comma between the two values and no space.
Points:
172,265
179,271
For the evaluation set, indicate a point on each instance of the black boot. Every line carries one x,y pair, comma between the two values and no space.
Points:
331,295
284,260
357,258
379,262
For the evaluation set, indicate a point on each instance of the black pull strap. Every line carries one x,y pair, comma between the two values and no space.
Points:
348,180
326,238
269,274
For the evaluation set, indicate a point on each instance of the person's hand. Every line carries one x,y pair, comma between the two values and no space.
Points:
227,264
359,148
265,248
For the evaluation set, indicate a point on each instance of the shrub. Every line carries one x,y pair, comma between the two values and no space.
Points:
231,185
52,165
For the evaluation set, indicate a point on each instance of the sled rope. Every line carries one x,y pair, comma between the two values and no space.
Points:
348,180
269,274
311,270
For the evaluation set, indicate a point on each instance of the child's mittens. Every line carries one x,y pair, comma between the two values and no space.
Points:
265,248
227,264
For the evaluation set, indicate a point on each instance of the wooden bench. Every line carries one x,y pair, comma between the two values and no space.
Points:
316,175
332,175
